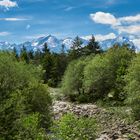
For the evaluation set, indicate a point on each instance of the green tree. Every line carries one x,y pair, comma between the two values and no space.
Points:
31,56
103,76
24,55
15,53
21,94
72,82
48,63
54,65
37,57
45,49
75,51
92,47
132,87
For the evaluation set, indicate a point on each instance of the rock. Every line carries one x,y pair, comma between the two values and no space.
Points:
112,128
103,137
86,110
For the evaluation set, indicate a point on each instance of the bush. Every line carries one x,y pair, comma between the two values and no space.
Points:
70,127
72,83
39,100
132,87
103,76
21,94
99,77
29,127
95,78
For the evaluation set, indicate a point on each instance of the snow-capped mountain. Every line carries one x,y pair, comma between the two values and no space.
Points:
118,40
55,44
7,46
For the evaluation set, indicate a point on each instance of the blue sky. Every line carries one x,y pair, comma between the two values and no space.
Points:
22,20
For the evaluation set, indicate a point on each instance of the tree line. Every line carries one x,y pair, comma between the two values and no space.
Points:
54,64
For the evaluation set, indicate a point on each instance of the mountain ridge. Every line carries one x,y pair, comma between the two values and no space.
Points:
55,44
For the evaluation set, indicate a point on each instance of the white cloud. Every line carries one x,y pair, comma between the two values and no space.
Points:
4,33
88,37
131,29
130,19
100,37
127,24
34,36
69,8
8,4
136,42
104,18
28,26
13,19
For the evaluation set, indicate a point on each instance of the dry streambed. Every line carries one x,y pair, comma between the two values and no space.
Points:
112,128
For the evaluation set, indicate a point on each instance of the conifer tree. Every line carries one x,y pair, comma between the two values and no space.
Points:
47,62
46,50
24,55
75,51
15,53
92,47
37,57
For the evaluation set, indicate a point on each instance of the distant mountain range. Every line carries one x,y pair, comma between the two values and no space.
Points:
55,44
118,40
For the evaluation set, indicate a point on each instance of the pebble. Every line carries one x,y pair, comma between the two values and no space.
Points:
113,128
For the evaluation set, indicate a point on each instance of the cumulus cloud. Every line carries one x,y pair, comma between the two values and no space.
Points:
88,37
136,42
13,19
104,18
4,33
8,3
130,19
131,29
100,37
127,24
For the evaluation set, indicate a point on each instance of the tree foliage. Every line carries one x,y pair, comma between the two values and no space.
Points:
104,75
21,95
72,83
132,87
99,77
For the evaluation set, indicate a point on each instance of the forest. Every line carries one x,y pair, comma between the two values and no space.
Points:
109,79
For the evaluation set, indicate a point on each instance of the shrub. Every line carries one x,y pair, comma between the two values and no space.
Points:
95,78
29,128
119,59
21,94
132,87
72,83
38,100
103,76
70,127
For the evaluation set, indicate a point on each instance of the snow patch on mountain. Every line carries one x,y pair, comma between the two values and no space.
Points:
55,44
120,40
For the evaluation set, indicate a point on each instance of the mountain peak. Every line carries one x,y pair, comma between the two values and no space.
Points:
55,44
